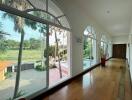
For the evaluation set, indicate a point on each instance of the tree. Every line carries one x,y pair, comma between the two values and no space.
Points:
12,44
18,27
87,47
3,43
34,43
26,44
57,56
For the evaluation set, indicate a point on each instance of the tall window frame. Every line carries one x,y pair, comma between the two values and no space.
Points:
26,14
104,46
90,38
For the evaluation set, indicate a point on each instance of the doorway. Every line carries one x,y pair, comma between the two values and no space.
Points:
119,51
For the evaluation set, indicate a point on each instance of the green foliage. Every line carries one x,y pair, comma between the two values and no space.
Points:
32,24
8,74
3,45
43,15
87,48
28,55
12,44
34,43
26,44
51,51
39,66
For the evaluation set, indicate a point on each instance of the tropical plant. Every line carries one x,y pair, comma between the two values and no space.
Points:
43,29
7,75
18,27
19,23
3,43
87,49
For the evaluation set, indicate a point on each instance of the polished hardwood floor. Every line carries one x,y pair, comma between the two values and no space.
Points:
109,83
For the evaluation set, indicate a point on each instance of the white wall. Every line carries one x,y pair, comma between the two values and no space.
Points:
130,56
131,60
123,39
78,20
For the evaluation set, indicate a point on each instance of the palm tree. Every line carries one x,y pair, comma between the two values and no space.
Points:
18,27
42,29
3,44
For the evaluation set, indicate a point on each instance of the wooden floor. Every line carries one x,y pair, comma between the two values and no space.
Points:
110,83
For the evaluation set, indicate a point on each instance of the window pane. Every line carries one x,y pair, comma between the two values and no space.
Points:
89,49
33,67
86,52
9,47
58,55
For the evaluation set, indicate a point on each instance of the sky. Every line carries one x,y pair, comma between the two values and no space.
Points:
8,27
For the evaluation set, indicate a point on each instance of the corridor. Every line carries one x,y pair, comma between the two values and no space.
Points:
109,83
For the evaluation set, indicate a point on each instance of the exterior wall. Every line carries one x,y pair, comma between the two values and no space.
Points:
2,77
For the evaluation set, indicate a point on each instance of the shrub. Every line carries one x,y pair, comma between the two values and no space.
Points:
40,68
8,75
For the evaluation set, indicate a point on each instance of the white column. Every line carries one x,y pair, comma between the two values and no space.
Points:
69,51
77,54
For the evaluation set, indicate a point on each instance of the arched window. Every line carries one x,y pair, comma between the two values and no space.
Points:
36,48
104,46
109,49
89,49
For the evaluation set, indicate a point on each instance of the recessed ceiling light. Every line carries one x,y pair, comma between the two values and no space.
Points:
108,11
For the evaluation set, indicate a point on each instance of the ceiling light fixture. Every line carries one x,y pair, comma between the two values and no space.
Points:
107,11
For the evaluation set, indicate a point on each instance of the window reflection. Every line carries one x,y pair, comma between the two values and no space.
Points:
89,50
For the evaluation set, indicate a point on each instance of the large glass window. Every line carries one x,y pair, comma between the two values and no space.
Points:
22,57
34,54
58,55
104,47
89,48
33,66
9,44
109,49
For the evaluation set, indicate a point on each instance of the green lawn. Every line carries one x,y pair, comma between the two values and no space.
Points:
28,55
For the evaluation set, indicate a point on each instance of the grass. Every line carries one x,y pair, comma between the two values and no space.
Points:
28,55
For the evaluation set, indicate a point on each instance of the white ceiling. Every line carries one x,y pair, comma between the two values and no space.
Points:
113,15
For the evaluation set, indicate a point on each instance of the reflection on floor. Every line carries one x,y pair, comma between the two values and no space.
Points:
109,83
87,63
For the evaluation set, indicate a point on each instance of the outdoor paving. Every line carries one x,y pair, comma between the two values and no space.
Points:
30,81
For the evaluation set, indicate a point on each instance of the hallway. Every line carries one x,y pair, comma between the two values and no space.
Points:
110,83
